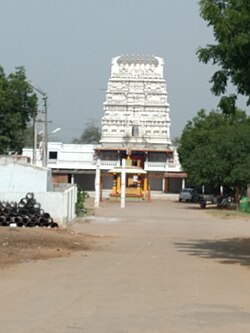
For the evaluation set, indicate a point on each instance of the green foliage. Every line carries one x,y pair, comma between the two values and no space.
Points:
91,134
214,149
17,103
81,197
230,20
28,137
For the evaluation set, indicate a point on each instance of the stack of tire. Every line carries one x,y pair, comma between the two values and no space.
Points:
26,213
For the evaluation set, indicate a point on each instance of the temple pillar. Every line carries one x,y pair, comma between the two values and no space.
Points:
123,183
114,186
138,189
145,184
118,183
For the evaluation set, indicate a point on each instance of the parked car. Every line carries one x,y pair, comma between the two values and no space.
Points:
189,195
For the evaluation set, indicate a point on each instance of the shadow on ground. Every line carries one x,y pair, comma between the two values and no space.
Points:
227,251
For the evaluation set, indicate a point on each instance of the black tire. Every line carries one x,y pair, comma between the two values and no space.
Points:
203,205
30,195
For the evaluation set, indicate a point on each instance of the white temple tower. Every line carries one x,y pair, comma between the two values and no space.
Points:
136,110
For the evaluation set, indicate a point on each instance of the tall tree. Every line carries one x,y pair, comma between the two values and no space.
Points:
17,104
91,134
230,20
214,149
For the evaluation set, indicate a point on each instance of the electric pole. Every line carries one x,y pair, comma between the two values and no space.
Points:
45,128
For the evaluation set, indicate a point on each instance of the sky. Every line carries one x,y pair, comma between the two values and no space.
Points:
66,48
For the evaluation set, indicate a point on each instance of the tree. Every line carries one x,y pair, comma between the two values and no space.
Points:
91,134
214,149
17,104
230,20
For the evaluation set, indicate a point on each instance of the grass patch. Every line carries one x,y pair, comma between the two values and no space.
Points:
228,214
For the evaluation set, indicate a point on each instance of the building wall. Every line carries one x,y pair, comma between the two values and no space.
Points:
16,176
65,156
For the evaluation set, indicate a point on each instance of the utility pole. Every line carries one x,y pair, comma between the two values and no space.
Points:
34,137
45,127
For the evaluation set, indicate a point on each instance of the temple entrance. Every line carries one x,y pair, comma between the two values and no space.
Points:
136,183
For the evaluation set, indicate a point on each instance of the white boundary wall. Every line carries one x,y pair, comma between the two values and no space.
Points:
16,176
60,204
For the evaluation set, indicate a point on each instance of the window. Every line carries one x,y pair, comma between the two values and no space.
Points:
53,155
135,130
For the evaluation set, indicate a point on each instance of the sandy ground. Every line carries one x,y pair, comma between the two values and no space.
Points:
18,245
152,267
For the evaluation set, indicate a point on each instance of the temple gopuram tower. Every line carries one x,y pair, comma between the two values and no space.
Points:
136,127
136,110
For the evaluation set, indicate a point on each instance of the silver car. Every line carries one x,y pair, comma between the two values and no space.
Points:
188,194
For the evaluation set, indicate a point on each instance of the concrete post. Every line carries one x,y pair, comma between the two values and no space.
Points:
72,178
123,183
97,184
221,190
203,189
183,184
163,184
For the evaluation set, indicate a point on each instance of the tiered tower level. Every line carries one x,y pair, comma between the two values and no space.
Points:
136,110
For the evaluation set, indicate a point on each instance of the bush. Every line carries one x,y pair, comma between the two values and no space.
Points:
81,197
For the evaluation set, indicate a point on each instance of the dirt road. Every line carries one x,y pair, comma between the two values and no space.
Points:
154,267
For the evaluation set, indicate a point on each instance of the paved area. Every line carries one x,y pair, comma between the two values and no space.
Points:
155,267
